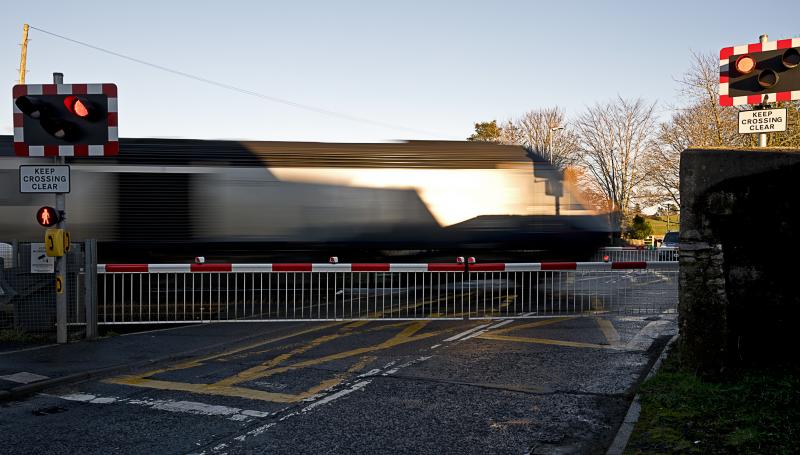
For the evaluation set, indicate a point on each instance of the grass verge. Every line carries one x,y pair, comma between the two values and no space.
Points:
754,411
660,225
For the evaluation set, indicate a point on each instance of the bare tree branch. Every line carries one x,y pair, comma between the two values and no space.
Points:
614,139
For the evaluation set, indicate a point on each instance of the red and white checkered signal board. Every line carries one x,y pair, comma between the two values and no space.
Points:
737,89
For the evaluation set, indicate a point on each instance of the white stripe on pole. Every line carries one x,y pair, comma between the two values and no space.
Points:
408,267
253,268
331,267
524,267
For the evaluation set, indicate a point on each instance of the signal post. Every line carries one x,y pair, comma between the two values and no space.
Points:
760,74
60,120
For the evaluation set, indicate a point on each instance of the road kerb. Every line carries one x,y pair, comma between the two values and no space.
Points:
632,416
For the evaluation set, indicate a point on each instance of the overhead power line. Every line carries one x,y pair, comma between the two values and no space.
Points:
244,91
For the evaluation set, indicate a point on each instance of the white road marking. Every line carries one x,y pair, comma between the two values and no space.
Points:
435,346
350,388
501,324
481,332
339,394
189,407
464,333
371,372
23,377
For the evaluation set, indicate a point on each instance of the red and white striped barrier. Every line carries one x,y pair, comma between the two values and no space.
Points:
382,267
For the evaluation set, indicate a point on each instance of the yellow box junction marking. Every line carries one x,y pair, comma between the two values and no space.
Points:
228,386
606,327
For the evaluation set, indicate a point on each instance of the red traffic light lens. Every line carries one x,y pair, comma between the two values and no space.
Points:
77,106
745,64
80,109
47,216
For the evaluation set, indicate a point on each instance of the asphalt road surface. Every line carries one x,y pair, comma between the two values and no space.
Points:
557,385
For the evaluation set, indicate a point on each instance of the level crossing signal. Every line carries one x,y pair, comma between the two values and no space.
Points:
47,216
65,120
760,73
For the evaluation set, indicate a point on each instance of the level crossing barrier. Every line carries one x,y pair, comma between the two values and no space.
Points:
635,254
190,293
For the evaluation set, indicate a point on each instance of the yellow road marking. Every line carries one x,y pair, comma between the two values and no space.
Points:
573,344
241,392
199,361
227,386
605,326
611,334
245,355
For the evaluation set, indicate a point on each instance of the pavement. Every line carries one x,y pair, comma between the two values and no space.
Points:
536,386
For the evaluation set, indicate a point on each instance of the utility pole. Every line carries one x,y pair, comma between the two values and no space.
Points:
61,261
23,59
762,137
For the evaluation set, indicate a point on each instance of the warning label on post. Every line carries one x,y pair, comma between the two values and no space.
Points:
762,121
40,261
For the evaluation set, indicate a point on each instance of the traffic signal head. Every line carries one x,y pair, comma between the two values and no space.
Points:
760,73
65,120
47,216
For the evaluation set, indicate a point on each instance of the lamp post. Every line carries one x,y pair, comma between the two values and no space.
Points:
553,129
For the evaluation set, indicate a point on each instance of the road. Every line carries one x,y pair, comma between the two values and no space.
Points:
557,385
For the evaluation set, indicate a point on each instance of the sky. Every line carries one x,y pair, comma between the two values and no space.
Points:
408,69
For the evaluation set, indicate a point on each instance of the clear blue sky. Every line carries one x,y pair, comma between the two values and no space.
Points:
437,66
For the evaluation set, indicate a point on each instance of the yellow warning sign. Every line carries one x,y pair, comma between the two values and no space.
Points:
59,284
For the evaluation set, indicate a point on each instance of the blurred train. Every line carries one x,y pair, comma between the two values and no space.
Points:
174,199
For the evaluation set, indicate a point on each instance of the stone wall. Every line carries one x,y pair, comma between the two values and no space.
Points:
739,250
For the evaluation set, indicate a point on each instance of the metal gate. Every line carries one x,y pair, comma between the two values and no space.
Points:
189,293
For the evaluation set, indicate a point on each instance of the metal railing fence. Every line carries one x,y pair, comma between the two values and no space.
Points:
159,293
628,254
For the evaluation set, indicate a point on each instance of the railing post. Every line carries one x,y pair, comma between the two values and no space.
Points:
90,287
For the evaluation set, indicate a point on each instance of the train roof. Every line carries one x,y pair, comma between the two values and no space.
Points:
406,154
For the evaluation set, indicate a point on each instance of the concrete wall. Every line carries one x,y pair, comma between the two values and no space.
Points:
740,246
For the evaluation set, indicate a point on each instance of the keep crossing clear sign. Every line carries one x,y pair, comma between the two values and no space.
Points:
762,121
44,179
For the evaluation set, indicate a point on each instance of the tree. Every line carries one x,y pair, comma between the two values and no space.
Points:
640,228
545,132
700,122
486,132
613,139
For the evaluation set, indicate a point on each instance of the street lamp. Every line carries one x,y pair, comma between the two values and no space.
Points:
553,129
